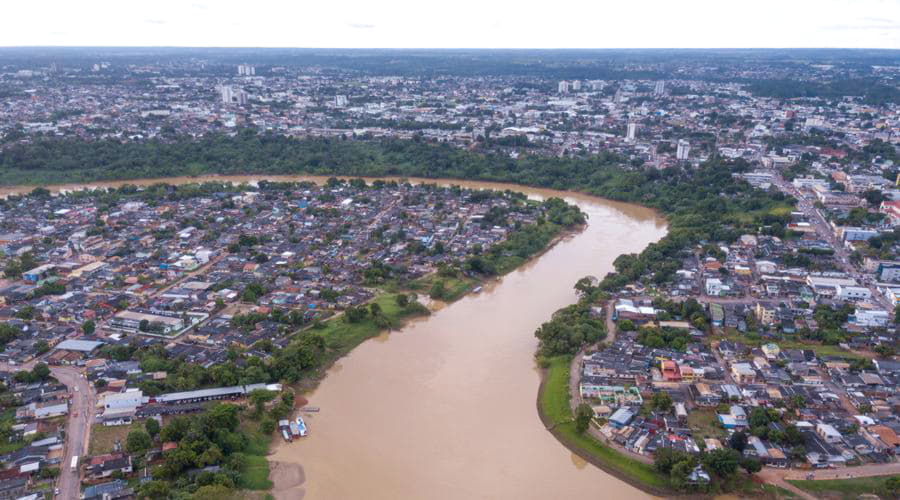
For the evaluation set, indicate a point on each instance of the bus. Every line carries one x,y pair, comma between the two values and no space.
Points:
75,463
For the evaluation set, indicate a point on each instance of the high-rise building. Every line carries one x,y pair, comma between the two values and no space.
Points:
246,70
683,151
563,87
632,131
230,95
227,94
241,97
340,101
660,88
576,85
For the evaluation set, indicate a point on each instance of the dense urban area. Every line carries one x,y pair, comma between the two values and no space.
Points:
751,350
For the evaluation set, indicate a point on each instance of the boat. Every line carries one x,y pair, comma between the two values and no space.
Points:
301,426
310,409
476,289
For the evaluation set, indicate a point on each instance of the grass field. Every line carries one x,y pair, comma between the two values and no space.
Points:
455,287
847,488
103,438
819,349
705,424
553,403
255,475
341,336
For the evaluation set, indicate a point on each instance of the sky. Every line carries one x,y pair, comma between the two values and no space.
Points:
454,24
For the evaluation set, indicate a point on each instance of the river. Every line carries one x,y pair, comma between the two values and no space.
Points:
446,407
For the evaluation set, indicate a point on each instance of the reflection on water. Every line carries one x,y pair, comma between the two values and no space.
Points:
445,408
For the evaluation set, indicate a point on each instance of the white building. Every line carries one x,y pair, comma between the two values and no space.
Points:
871,317
853,293
858,234
246,70
576,85
683,151
660,88
632,132
226,93
340,101
563,87
120,400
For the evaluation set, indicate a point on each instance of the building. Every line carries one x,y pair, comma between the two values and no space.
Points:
119,400
132,321
810,183
660,88
563,87
828,433
576,85
743,373
858,234
632,131
340,101
621,418
735,418
226,93
230,95
683,151
765,313
246,70
853,293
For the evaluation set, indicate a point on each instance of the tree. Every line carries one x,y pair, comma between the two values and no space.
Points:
88,327
151,426
666,458
583,415
138,441
661,401
40,371
438,290
626,325
723,462
738,441
680,473
402,300
41,347
152,490
751,465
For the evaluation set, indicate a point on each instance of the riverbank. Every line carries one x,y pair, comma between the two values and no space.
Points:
556,414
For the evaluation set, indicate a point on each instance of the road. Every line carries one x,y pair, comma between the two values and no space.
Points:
824,231
78,427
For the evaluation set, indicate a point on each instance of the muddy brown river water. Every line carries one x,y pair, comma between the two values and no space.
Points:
445,408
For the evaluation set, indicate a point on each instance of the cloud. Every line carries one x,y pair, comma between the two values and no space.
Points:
361,26
200,6
154,21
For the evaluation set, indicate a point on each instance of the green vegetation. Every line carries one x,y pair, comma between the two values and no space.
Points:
341,336
705,424
885,486
553,405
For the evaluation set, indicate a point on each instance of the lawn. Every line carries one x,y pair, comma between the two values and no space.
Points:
103,437
341,336
847,488
705,424
553,402
819,349
455,287
255,475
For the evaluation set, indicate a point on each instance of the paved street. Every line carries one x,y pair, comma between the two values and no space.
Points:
78,427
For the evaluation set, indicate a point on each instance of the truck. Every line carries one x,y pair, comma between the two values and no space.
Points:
75,463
